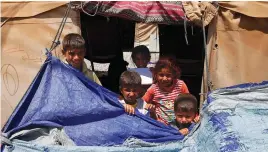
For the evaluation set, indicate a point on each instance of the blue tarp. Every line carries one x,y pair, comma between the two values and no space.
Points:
91,115
233,119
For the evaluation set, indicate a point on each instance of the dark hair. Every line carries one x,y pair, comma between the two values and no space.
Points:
166,62
73,41
141,49
130,78
185,102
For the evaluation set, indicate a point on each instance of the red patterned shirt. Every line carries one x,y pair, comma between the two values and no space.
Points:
164,101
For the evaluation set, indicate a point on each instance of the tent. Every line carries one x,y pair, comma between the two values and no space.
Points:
230,34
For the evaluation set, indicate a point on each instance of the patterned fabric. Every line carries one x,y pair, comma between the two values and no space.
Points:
164,101
164,12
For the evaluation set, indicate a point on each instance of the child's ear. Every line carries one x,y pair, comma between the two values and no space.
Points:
63,52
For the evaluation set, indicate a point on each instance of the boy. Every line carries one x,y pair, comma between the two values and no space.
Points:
130,88
74,52
141,56
185,109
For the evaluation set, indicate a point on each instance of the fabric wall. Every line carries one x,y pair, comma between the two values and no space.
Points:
24,39
237,44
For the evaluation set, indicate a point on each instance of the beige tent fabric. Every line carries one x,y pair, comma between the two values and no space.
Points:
23,50
27,8
237,48
248,8
195,10
143,31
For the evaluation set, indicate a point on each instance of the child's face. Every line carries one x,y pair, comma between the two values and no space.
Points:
185,117
141,60
75,57
130,93
164,78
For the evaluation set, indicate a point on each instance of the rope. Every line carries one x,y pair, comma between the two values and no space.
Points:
5,21
56,41
185,31
209,83
97,7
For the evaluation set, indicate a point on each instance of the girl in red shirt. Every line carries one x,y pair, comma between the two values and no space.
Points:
167,86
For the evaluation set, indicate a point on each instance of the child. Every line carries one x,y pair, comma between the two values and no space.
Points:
141,56
165,89
130,88
74,52
185,108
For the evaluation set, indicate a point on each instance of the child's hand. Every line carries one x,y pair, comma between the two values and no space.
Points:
197,118
184,131
129,109
150,107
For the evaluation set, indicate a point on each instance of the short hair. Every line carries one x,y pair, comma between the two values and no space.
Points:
73,41
185,102
141,49
166,62
129,78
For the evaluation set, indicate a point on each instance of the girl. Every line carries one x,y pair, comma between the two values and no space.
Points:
166,87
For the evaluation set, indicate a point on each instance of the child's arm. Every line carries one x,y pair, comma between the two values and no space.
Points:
184,88
148,98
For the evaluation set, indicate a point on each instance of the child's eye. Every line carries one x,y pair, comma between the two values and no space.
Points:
71,53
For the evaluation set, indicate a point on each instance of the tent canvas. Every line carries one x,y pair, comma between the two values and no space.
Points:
227,17
23,50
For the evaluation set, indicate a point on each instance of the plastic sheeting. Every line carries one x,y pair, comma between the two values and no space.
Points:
61,96
233,119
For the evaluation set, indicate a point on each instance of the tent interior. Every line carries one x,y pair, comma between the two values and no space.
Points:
107,39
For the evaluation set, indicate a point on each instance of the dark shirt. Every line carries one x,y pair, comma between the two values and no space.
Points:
179,126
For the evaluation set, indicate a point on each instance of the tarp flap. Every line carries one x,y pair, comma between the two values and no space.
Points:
233,119
168,12
89,113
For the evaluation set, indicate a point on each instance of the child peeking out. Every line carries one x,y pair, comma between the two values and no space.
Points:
74,52
160,96
185,108
130,88
141,56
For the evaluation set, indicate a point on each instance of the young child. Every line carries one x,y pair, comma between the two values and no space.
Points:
141,56
74,52
160,96
185,108
130,88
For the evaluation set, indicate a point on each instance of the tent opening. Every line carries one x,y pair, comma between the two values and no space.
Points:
189,57
106,40
108,37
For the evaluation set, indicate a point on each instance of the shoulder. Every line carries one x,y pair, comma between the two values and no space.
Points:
152,87
180,83
121,100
